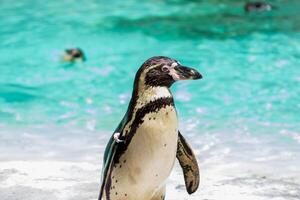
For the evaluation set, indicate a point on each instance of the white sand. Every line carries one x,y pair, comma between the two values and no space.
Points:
33,180
67,167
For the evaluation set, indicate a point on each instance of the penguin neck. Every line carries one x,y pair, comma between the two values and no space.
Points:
146,94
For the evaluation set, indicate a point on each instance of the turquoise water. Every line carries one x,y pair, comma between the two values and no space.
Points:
250,63
242,119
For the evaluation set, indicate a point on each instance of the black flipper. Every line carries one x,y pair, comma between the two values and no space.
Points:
189,165
109,156
108,163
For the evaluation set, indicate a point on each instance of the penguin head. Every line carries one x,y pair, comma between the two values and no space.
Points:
164,71
257,6
74,54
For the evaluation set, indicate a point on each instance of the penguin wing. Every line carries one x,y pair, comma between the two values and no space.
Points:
109,155
107,164
189,165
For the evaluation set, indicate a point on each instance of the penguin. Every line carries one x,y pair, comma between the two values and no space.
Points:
141,152
257,6
74,54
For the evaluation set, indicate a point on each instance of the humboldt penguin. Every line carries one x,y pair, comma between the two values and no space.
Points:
257,6
73,55
141,153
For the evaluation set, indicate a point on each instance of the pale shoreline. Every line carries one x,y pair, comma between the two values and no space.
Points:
47,180
66,166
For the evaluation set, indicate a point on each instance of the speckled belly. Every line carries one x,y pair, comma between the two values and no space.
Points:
149,158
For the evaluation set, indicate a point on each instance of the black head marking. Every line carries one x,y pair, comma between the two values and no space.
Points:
163,71
157,71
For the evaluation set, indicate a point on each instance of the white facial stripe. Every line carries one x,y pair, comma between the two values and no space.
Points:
174,64
174,74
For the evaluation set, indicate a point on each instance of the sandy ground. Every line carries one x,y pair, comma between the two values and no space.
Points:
67,167
52,180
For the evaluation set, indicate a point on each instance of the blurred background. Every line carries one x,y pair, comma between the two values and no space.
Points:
242,118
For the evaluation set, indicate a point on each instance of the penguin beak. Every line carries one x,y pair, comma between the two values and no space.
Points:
185,73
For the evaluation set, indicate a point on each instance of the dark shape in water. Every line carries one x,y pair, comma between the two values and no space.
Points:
15,93
74,54
216,26
257,6
16,97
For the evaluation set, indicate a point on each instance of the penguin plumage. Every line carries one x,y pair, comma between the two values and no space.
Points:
141,153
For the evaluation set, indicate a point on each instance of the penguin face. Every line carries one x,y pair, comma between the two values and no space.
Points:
164,71
75,54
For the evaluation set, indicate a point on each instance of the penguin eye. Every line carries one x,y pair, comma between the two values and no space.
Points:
165,68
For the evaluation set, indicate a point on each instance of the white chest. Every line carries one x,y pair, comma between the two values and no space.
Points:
150,156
